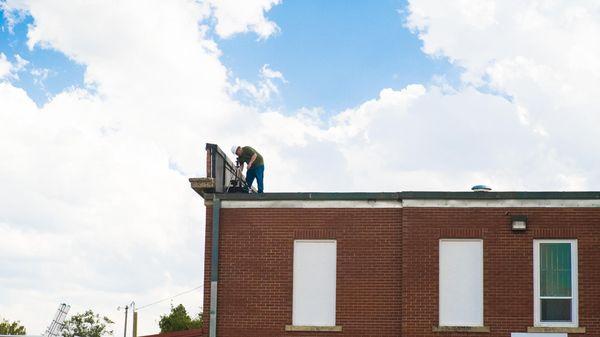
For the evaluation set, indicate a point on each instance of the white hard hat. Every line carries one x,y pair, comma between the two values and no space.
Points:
234,149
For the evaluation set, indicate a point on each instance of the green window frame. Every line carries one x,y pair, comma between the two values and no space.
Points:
555,283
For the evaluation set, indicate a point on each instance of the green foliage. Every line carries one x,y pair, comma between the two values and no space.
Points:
179,320
87,324
11,328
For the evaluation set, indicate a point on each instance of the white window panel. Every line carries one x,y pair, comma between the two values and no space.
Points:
535,334
555,284
461,282
314,283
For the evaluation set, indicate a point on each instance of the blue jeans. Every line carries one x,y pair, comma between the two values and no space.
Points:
256,172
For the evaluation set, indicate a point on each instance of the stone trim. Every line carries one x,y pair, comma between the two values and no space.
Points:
336,328
461,329
555,329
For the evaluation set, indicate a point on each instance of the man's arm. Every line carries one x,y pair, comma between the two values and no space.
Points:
252,159
240,168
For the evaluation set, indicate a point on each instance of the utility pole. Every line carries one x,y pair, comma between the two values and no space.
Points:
125,329
134,322
126,307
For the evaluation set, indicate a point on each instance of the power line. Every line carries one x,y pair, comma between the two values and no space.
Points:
169,298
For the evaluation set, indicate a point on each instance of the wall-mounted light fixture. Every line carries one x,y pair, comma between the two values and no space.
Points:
519,222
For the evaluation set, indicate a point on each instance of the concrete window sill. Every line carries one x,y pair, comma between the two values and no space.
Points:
555,329
461,329
336,328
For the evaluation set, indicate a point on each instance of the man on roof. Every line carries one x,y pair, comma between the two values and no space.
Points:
255,165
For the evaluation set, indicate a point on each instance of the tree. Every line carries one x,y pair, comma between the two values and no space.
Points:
178,320
11,328
87,324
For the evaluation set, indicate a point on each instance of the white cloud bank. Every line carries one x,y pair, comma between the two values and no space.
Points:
95,208
542,54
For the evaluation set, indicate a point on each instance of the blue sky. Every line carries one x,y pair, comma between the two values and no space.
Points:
328,59
61,71
335,54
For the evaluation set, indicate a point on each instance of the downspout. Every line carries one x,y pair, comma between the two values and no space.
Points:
214,267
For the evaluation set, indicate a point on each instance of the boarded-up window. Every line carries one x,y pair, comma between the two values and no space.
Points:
314,282
461,282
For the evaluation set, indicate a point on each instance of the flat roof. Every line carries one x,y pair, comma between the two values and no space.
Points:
420,195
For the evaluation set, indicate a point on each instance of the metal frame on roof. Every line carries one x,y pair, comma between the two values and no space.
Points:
222,170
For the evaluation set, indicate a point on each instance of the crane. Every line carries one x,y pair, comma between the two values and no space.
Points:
55,327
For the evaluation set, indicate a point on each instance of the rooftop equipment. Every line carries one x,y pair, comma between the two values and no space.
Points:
481,188
226,176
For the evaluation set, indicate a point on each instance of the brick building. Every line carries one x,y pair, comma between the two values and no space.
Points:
402,264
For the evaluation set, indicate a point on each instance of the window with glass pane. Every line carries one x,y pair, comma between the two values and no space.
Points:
555,282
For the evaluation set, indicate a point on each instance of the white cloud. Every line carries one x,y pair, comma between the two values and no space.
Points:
10,70
100,175
20,63
267,72
40,75
552,43
243,16
263,91
11,17
456,139
542,54
5,66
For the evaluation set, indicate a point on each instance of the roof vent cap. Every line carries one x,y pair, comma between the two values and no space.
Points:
481,188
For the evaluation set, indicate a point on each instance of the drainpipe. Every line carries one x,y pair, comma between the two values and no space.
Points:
214,267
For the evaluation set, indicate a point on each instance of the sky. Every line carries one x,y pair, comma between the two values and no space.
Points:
105,108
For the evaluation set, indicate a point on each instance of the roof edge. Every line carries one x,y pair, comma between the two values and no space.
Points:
417,195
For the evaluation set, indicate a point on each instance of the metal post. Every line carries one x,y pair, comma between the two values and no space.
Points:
135,317
214,268
125,329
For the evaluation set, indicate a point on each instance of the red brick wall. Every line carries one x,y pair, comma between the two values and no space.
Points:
184,333
255,269
387,267
508,264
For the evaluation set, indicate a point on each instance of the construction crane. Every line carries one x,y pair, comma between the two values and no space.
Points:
57,324
55,327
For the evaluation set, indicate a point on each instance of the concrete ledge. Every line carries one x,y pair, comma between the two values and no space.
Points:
555,329
201,185
461,329
337,328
